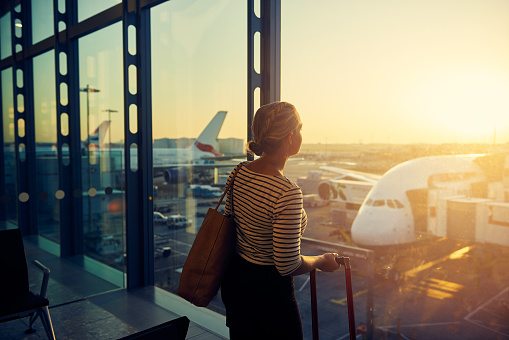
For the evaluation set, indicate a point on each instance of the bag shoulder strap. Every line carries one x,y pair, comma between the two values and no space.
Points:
230,186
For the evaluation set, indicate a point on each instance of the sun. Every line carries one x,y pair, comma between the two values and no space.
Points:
470,104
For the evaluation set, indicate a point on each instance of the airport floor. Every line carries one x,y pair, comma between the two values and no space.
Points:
109,316
80,309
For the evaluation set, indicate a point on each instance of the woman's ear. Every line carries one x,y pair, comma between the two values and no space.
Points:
289,137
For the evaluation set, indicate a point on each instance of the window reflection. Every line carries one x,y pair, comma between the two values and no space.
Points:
42,23
352,74
102,125
5,42
198,76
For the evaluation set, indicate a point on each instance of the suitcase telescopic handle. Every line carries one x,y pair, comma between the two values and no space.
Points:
345,261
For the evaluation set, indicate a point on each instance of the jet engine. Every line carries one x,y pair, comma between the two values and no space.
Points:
176,175
327,191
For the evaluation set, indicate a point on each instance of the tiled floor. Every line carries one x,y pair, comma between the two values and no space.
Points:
109,316
80,311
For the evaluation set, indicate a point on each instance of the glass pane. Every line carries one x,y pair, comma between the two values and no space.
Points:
199,72
89,8
391,94
8,198
102,126
5,42
42,20
46,146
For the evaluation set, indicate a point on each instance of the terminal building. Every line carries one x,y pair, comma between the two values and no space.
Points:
95,94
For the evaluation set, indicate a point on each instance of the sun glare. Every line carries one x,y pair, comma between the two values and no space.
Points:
471,104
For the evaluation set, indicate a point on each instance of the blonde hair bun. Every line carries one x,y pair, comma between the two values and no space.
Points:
271,124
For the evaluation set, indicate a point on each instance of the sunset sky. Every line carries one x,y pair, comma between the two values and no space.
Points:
358,71
398,71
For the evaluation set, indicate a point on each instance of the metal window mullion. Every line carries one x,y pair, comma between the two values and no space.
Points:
26,172
269,78
69,176
139,228
145,157
3,206
254,79
270,51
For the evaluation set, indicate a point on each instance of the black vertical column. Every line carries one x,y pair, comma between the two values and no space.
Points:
68,145
24,123
138,165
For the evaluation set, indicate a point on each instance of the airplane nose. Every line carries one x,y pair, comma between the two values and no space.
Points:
377,228
365,231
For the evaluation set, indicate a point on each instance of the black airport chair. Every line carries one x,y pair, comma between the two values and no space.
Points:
171,330
16,300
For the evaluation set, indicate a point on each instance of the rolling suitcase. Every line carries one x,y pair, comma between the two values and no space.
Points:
345,261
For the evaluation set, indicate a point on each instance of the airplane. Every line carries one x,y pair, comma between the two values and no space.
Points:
350,187
403,205
96,139
172,165
176,163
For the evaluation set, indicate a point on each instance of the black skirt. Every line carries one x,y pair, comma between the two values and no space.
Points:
259,302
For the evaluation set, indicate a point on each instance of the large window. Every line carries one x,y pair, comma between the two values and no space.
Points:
102,128
5,29
381,83
198,71
42,23
48,215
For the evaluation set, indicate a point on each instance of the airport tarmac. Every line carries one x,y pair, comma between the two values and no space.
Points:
451,290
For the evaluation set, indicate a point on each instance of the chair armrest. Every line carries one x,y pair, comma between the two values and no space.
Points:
45,279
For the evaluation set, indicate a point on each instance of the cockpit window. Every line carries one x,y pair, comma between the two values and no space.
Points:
390,204
369,202
398,204
379,203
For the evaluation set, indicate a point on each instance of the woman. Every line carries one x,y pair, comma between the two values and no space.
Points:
258,290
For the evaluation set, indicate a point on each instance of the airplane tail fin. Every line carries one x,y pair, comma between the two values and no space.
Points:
207,140
97,138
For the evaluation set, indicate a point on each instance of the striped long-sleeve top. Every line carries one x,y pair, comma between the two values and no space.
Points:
270,219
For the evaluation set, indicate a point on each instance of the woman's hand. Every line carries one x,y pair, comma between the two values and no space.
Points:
328,263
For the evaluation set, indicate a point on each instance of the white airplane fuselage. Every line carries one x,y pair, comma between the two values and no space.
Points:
389,214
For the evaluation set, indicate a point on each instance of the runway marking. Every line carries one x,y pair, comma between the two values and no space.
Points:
486,303
423,324
342,302
435,288
445,285
455,255
480,323
304,284
388,328
435,283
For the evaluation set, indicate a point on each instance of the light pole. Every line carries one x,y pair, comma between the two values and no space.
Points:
109,128
89,89
110,156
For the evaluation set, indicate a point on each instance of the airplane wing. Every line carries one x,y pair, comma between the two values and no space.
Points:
205,165
225,157
348,174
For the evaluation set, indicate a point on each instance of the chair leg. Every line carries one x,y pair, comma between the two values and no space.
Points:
46,320
32,319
